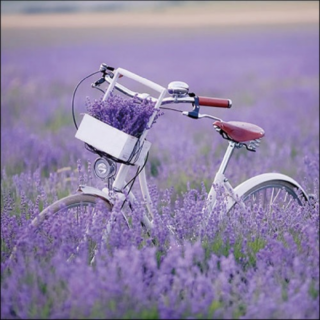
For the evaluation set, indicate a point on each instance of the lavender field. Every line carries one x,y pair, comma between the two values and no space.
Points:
241,267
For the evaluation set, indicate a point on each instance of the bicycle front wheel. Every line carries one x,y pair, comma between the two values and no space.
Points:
77,224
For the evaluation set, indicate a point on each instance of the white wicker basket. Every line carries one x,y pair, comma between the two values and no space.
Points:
112,141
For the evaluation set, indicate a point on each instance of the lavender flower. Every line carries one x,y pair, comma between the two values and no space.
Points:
247,265
128,115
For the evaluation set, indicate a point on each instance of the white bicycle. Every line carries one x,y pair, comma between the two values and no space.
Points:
269,189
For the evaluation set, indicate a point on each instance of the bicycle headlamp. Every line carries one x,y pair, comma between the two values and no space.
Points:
104,168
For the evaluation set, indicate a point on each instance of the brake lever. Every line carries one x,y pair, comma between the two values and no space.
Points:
98,82
200,116
209,116
196,108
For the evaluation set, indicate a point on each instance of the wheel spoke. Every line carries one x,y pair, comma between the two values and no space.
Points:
275,198
272,197
69,223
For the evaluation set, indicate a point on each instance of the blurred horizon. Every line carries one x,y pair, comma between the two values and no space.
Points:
172,15
67,7
39,7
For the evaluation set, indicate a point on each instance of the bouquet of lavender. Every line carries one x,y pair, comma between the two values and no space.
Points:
128,115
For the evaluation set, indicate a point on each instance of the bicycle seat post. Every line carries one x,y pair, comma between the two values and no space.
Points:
226,158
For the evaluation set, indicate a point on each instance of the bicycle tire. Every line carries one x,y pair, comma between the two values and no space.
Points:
74,221
289,188
69,202
276,200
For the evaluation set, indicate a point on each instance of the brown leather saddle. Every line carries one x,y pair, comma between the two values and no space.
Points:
239,131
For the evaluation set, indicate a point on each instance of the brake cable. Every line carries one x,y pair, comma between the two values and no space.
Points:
74,93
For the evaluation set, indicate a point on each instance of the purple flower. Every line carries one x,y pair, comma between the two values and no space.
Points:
129,115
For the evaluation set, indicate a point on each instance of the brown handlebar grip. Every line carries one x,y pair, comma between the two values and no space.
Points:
215,102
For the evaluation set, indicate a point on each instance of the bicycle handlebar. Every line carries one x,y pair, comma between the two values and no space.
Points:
203,101
215,102
196,101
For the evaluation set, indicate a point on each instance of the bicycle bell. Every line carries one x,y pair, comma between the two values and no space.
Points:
104,168
178,88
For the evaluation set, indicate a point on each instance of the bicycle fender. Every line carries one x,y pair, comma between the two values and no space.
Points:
95,192
242,188
105,196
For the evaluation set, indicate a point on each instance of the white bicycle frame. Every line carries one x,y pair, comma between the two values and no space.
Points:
234,195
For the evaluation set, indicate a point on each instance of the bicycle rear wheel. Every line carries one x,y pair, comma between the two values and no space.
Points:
275,202
279,192
76,224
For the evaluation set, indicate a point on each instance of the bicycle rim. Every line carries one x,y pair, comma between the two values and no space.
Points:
75,225
275,192
275,202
